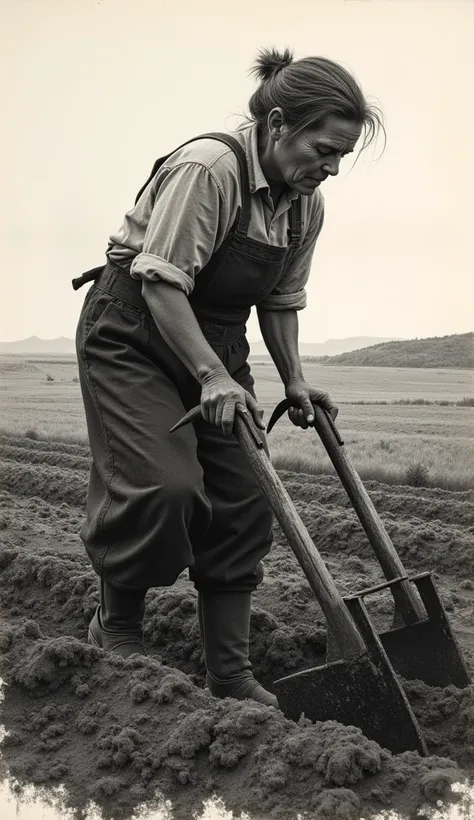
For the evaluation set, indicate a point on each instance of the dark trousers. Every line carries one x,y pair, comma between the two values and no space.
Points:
157,502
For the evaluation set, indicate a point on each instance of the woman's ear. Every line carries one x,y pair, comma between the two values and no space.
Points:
275,123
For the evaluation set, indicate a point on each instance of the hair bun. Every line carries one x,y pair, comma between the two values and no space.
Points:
270,61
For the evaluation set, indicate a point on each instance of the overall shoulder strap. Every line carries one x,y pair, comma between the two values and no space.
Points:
295,222
234,145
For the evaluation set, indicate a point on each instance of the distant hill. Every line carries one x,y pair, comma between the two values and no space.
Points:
437,351
330,347
63,345
359,351
33,345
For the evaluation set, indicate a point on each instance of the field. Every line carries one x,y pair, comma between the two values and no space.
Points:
434,441
117,734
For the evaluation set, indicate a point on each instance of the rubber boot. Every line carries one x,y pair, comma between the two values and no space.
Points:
117,622
201,627
224,620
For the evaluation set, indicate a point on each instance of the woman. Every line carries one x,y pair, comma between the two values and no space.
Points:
222,224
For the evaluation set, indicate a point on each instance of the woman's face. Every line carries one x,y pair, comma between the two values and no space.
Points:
304,161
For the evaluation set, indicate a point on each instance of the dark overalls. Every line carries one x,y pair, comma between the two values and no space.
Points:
157,502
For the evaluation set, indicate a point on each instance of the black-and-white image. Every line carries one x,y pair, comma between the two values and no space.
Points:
237,411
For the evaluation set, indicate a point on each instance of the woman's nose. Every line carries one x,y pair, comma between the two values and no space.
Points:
332,166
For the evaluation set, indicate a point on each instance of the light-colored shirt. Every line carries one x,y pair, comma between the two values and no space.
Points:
189,207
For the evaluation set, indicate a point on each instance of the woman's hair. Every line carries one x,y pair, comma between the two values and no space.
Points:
308,91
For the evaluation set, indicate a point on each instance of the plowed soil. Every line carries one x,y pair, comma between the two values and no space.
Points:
121,733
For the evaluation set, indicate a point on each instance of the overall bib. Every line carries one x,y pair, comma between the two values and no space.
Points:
159,503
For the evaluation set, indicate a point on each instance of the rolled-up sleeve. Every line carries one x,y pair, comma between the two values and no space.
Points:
189,220
290,293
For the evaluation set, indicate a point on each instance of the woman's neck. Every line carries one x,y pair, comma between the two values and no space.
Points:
269,168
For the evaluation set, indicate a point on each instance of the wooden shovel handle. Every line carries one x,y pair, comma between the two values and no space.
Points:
345,632
386,554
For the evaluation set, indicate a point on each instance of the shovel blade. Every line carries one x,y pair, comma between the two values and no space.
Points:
360,691
426,651
355,693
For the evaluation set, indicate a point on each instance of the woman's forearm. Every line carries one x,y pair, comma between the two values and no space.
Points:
178,325
280,334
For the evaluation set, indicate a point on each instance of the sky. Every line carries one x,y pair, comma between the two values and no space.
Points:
93,91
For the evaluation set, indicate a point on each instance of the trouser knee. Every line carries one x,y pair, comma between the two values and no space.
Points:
238,568
149,535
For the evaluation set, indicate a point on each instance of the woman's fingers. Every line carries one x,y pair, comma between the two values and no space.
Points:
297,417
256,411
228,415
221,397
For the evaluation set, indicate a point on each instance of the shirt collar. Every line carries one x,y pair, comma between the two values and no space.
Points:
257,179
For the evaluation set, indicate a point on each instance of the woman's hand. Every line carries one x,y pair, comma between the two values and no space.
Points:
304,396
221,396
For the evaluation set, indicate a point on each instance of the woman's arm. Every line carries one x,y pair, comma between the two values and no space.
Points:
278,319
220,393
179,327
190,217
280,334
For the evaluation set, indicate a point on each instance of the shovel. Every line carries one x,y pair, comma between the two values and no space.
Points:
420,643
360,688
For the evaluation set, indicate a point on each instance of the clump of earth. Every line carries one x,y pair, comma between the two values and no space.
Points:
123,733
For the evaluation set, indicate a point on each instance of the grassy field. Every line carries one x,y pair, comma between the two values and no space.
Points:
427,444
353,384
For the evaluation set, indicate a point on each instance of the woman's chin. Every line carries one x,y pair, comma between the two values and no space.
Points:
306,186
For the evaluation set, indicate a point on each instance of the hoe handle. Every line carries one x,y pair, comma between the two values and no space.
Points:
386,554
